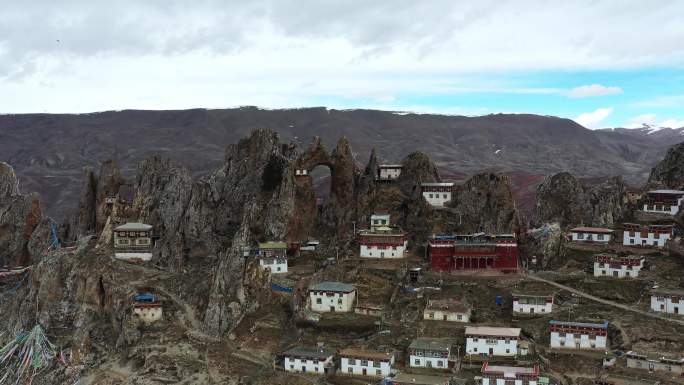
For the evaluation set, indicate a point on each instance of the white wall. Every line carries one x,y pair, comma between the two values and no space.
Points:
437,199
375,252
673,210
133,256
622,272
356,366
296,364
438,315
342,302
528,308
390,173
650,240
428,362
591,237
570,341
502,381
501,347
148,314
665,305
278,266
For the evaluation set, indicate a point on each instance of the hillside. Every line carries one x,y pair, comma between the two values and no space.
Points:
49,150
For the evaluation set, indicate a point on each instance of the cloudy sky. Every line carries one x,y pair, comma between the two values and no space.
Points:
602,63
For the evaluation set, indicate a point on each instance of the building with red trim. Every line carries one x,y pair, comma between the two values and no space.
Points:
473,252
509,375
611,265
646,235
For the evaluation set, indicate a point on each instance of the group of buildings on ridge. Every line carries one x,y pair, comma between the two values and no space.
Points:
448,253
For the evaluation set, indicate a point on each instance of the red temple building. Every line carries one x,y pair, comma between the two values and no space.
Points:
473,252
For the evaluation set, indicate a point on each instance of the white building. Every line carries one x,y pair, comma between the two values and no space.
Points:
332,297
437,194
148,312
447,310
306,359
389,171
301,172
133,242
668,301
277,265
509,375
591,234
663,201
578,335
420,379
492,341
651,235
379,220
430,353
655,362
366,362
532,304
382,242
611,265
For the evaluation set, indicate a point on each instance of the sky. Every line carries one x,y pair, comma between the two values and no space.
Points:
601,63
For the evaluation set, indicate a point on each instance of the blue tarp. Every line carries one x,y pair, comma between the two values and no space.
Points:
284,289
146,297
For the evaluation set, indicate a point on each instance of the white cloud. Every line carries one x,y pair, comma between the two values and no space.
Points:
672,123
593,90
592,120
639,121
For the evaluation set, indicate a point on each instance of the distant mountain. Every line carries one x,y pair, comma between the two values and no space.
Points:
49,150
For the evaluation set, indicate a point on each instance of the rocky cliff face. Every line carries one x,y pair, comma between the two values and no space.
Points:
669,173
565,199
22,226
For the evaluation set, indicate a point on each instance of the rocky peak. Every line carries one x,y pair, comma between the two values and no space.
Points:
9,184
565,199
669,172
417,168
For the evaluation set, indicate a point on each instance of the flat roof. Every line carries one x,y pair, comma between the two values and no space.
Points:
666,191
390,166
365,353
431,344
310,351
420,379
437,184
656,356
134,226
591,230
273,245
332,286
452,305
492,331
604,325
668,291
509,369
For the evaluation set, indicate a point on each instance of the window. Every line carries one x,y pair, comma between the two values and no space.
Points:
444,196
439,363
291,366
350,370
416,362
430,195
339,301
319,301
376,364
432,315
278,269
474,350
364,362
580,236
599,237
460,317
631,241
378,372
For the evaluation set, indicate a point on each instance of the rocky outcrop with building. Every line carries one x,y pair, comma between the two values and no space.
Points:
569,201
669,172
23,228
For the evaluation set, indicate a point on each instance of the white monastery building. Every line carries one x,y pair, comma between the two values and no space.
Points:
447,310
307,359
437,194
578,335
382,242
492,341
430,353
148,312
611,265
668,301
389,171
532,304
133,242
366,362
647,235
591,234
655,362
509,375
332,297
379,220
663,201
273,256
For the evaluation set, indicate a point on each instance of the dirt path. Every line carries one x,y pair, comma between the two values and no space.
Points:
605,301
